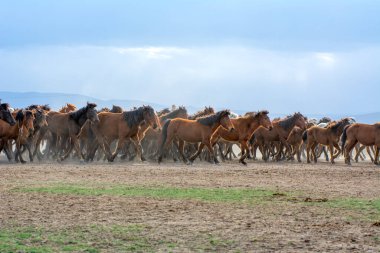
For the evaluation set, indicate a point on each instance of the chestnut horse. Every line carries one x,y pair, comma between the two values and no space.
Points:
66,127
243,130
121,126
19,132
279,133
365,134
328,136
194,131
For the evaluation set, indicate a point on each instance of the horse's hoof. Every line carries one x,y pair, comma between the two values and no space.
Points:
243,162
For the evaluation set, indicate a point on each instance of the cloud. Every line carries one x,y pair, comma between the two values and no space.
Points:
239,77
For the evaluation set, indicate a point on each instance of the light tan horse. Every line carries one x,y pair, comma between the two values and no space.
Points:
365,134
68,108
194,131
243,130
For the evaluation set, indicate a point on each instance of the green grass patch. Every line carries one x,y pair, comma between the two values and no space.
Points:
203,194
94,238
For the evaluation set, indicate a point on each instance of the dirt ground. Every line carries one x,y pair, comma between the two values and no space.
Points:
289,224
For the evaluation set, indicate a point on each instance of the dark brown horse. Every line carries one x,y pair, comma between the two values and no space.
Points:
194,131
66,126
19,132
243,130
123,126
6,115
365,134
328,136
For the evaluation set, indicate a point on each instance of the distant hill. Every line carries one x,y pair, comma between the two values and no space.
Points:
57,100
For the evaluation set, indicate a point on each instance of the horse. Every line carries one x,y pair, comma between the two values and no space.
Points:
121,126
67,108
279,133
206,111
243,130
6,115
66,126
18,132
39,123
328,136
365,134
194,131
294,139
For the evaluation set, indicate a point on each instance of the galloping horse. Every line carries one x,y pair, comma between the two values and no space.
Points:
121,126
279,133
194,131
66,126
19,132
328,136
367,135
243,130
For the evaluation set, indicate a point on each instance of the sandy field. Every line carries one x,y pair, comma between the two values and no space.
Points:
145,207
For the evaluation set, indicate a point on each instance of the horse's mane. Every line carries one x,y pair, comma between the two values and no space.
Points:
174,114
207,111
325,120
37,107
76,115
116,109
135,117
336,125
163,111
213,118
288,121
4,106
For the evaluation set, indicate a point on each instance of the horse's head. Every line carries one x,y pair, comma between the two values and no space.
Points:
225,120
182,112
6,115
300,121
264,120
40,118
150,117
25,119
91,112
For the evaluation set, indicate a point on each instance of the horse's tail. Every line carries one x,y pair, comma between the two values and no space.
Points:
304,136
344,136
164,134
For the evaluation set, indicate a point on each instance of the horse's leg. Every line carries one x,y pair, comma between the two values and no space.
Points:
18,150
339,151
211,152
298,150
358,151
194,156
331,148
220,147
308,150
370,153
376,158
119,146
244,152
347,151
138,148
181,146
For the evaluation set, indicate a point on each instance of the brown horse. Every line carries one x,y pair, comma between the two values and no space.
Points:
68,108
295,141
19,132
121,126
194,131
328,136
367,135
279,133
243,130
66,127
6,115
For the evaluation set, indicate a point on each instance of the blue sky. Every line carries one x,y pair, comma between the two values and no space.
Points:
309,56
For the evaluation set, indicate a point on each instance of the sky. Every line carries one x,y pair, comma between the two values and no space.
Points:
284,56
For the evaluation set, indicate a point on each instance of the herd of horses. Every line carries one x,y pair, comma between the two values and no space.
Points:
142,133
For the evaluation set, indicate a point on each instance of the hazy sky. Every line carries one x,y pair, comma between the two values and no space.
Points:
309,56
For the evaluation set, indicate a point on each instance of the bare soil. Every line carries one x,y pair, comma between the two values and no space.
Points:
192,225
